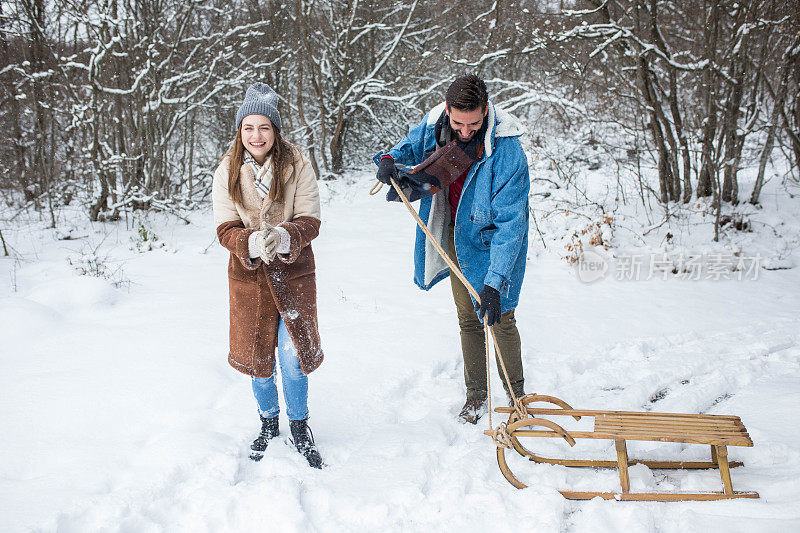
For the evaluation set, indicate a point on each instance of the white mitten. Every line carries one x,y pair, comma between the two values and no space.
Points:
253,243
268,244
286,240
264,243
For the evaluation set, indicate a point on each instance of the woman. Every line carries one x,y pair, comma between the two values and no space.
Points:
266,209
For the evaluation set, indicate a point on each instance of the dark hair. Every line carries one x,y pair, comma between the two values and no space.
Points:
467,93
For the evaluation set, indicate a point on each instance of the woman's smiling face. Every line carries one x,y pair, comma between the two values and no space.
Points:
258,136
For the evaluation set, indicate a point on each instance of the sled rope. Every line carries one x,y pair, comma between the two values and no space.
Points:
488,330
376,188
488,370
501,436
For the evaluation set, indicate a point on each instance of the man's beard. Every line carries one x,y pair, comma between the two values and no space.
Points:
467,139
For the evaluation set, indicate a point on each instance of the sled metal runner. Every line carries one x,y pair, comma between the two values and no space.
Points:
716,431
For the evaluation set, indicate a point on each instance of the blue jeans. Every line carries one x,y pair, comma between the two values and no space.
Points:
295,383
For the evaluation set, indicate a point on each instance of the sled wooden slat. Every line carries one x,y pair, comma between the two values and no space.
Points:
687,439
594,412
725,423
671,430
655,430
670,426
716,431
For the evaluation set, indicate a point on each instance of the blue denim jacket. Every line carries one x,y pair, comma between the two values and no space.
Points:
491,223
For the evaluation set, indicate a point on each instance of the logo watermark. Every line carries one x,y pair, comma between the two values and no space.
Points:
592,265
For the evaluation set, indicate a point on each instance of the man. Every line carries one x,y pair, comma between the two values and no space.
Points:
481,218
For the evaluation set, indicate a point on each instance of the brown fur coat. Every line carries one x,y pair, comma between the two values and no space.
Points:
286,288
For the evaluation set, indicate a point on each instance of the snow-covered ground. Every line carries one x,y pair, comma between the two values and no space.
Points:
119,411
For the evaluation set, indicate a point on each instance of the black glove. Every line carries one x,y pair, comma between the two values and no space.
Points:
490,305
387,170
442,131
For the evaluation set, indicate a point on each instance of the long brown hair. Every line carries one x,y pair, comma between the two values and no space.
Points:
283,156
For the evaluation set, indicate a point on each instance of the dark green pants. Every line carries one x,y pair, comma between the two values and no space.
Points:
473,344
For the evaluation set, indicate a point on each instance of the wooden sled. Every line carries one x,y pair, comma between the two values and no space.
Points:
717,431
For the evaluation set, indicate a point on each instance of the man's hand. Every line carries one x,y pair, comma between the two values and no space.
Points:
489,306
387,170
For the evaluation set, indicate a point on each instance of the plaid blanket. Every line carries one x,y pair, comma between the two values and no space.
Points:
437,171
440,168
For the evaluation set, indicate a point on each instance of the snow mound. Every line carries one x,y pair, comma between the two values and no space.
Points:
73,294
21,317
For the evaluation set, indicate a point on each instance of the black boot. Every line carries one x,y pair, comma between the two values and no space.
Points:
269,430
304,442
473,410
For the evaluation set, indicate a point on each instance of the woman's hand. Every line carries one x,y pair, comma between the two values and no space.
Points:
264,243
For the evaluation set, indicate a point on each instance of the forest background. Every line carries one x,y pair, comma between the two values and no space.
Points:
124,105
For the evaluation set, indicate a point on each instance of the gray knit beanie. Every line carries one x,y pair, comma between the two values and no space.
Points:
260,99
